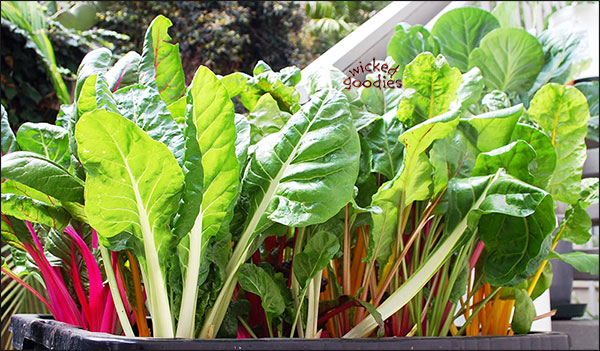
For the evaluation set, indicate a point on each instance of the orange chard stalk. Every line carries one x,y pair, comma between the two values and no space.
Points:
139,310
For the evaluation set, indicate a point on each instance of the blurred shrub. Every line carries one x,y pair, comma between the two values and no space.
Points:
225,36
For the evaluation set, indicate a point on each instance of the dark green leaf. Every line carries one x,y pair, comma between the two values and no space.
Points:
581,261
515,158
385,145
319,250
545,159
9,142
408,42
255,280
45,139
495,128
524,312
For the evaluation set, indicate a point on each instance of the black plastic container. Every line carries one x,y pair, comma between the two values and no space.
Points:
40,332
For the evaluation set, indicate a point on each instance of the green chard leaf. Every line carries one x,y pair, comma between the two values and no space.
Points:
266,118
42,174
133,185
47,140
515,158
242,141
451,157
524,312
430,85
319,250
495,128
581,261
590,90
255,280
383,141
469,91
160,65
124,72
510,59
408,42
460,31
562,114
543,165
95,62
9,141
496,100
576,225
177,110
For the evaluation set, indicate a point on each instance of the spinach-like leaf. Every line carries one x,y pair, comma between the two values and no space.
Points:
545,158
94,62
9,141
515,158
160,65
319,250
408,42
383,142
524,312
45,139
430,86
460,31
590,90
266,118
255,280
42,174
451,157
562,113
496,100
124,72
133,185
510,59
581,261
495,128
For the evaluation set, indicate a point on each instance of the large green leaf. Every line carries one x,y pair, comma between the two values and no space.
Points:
45,139
576,225
255,280
469,91
319,250
495,128
545,159
242,141
9,141
270,82
266,118
42,174
408,42
95,62
95,93
28,209
515,158
562,113
524,312
451,157
235,83
460,31
133,185
413,182
385,146
160,65
590,90
509,58
430,86
560,49
124,72
144,106
581,261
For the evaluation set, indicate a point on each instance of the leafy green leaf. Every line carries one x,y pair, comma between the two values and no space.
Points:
562,113
45,139
590,90
177,110
42,174
581,261
95,62
133,185
266,118
408,42
160,65
496,100
451,157
255,280
383,141
319,250
507,14
242,141
430,86
545,159
144,106
124,72
460,31
235,83
9,141
515,158
509,58
495,128
469,91
28,209
524,312
95,93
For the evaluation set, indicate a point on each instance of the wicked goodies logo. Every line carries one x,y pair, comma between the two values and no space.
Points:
384,76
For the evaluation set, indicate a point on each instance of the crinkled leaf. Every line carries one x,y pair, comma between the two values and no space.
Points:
430,86
496,100
451,157
383,141
543,165
306,172
144,106
255,280
269,82
95,62
581,261
45,139
562,114
266,118
524,312
9,141
495,128
460,31
42,174
235,83
510,59
515,158
124,72
160,65
408,42
28,209
319,250
95,93
469,91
